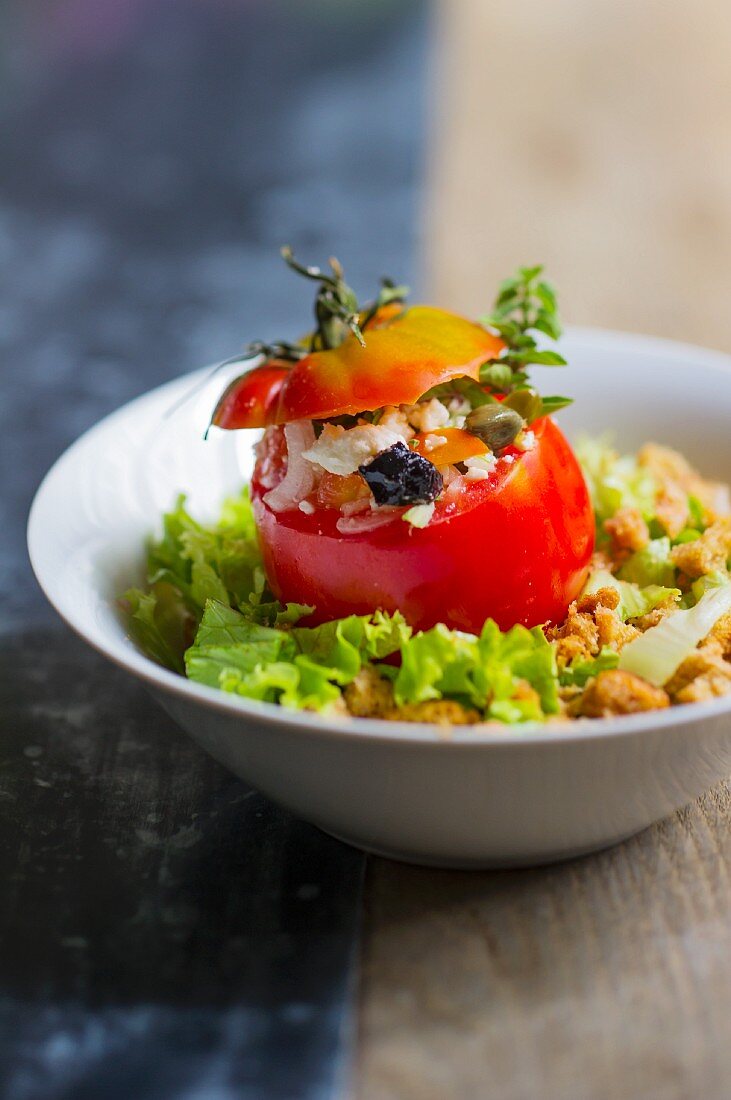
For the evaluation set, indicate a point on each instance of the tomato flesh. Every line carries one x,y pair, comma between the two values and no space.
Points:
515,547
250,400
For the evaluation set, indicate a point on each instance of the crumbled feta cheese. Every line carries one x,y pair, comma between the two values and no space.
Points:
420,515
342,451
397,421
459,406
306,507
429,416
525,441
481,462
433,441
509,459
479,467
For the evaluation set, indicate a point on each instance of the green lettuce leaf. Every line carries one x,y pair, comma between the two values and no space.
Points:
484,672
579,672
192,565
615,481
159,623
634,600
304,667
659,652
651,565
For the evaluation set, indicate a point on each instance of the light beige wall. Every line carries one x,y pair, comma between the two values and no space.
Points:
594,136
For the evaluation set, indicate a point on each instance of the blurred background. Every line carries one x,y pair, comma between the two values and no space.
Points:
154,156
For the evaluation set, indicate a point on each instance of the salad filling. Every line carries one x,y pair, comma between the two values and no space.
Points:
209,613
420,543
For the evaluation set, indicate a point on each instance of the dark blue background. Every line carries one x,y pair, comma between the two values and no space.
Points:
165,932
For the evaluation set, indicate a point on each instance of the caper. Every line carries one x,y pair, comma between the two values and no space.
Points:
494,425
527,403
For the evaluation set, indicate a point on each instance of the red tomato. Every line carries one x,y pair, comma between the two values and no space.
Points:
249,401
404,357
515,547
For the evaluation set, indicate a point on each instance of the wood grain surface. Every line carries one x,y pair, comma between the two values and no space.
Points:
607,978
595,138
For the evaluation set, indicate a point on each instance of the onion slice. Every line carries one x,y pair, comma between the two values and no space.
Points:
299,480
356,525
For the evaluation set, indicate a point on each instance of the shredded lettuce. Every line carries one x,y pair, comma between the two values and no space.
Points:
509,676
615,481
651,566
659,652
579,672
634,600
159,623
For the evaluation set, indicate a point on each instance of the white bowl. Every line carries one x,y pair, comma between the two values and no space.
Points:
503,797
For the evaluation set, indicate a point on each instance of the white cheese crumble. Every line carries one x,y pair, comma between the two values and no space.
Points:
429,416
397,421
525,441
341,451
479,467
306,507
431,442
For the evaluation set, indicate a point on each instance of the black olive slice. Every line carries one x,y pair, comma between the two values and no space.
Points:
400,476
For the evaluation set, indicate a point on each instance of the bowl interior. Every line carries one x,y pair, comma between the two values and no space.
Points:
106,494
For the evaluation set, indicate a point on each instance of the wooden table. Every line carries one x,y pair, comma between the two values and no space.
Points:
607,977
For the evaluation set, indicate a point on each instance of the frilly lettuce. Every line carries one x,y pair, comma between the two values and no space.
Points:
192,564
208,612
487,672
303,667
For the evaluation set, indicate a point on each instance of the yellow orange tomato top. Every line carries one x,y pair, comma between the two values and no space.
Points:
402,359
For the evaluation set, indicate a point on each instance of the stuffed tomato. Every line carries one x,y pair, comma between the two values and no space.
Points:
514,547
407,465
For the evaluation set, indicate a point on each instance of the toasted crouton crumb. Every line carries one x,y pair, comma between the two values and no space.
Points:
603,597
440,712
671,509
612,631
670,468
720,636
710,686
708,553
628,530
704,667
370,695
618,692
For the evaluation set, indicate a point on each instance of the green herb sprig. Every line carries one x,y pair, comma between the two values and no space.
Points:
337,311
525,305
